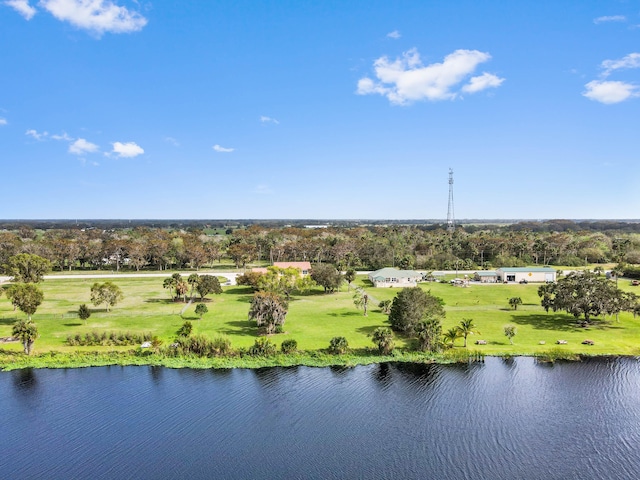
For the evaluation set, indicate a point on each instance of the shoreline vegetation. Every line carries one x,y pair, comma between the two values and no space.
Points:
10,360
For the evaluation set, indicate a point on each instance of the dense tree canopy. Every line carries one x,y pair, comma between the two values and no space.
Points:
413,306
26,268
585,294
268,309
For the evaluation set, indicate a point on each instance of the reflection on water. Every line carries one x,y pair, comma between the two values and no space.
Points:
502,419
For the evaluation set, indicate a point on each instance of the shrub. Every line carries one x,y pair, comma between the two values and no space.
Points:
279,329
289,346
202,346
263,347
95,338
338,345
186,329
383,339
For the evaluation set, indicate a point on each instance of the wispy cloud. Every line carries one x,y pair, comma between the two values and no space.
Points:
395,35
3,121
36,135
609,92
22,7
221,149
610,18
127,149
263,190
628,61
63,136
172,141
405,80
82,147
265,119
97,16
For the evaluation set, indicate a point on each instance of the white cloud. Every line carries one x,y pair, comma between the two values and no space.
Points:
22,7
395,34
172,141
406,80
81,146
482,82
220,149
36,135
98,16
3,121
265,119
263,190
127,150
64,137
629,61
609,92
610,18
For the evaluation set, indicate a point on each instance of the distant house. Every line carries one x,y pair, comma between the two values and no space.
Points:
304,267
485,276
392,277
529,274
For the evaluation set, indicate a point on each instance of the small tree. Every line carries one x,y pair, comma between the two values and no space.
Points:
268,309
510,332
327,276
27,297
411,306
349,276
429,334
26,268
201,309
108,293
514,302
193,281
383,338
338,345
186,329
84,313
263,347
27,332
361,300
208,284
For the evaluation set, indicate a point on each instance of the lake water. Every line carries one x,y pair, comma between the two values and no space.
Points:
504,419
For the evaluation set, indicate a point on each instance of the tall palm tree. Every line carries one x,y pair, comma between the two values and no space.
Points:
466,328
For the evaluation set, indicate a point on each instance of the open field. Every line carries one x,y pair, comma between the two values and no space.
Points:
315,318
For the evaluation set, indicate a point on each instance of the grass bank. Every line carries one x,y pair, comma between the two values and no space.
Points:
313,319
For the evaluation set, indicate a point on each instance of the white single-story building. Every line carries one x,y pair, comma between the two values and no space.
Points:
486,276
392,277
528,274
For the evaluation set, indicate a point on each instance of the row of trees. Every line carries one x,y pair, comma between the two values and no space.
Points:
358,247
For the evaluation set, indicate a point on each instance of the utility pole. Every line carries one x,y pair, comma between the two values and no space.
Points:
451,222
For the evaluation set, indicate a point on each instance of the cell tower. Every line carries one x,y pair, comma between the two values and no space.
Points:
451,220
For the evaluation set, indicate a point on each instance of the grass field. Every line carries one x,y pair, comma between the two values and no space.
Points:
315,318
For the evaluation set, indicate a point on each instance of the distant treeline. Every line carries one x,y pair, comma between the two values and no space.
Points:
429,247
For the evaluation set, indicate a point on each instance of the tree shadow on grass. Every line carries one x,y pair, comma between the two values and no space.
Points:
75,324
346,314
366,330
549,321
165,301
8,321
239,327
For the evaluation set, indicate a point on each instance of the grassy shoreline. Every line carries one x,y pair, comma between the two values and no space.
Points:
10,360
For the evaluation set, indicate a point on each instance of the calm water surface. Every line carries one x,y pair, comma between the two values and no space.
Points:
499,420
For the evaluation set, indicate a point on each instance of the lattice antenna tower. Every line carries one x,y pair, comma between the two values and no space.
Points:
451,220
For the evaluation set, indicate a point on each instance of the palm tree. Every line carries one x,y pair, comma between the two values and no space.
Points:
466,328
27,332
514,302
451,336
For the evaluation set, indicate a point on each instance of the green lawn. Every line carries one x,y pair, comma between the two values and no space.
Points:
315,318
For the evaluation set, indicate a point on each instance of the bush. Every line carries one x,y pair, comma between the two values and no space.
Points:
279,329
202,346
263,347
186,329
289,346
338,345
117,339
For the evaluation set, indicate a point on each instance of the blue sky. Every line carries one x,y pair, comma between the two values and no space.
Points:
319,109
